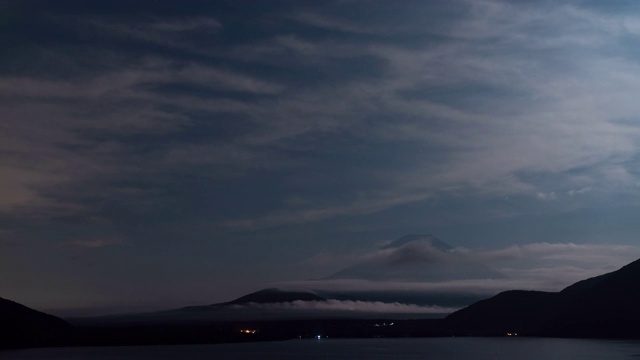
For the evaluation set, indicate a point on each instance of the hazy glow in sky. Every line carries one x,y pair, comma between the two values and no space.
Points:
156,154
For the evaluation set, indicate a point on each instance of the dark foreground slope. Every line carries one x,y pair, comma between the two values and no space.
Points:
605,306
21,326
515,311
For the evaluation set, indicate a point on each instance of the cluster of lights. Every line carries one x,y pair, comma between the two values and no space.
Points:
248,331
383,324
512,334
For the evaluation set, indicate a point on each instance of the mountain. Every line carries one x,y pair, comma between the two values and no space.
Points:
410,258
605,306
514,311
275,296
416,258
262,304
21,326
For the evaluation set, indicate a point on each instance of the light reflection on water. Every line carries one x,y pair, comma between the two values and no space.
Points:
431,348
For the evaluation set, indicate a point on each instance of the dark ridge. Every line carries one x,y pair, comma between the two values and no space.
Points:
584,285
21,326
515,311
605,306
609,307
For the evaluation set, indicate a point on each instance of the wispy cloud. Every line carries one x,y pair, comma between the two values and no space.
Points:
361,206
580,191
485,139
95,243
484,287
187,24
547,196
171,33
494,140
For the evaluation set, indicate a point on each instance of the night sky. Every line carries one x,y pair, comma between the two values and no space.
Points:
159,154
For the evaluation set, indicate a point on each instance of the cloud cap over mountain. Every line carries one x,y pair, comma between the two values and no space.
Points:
416,258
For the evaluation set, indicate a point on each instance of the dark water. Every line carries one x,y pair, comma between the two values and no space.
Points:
433,348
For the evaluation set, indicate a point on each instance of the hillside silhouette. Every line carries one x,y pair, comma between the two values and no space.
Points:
21,326
604,306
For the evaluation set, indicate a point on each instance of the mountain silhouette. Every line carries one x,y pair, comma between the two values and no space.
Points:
265,296
21,326
238,309
604,306
274,295
416,258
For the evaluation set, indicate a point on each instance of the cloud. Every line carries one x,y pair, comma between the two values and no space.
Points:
94,243
342,25
587,254
495,143
580,191
515,106
547,196
348,306
409,253
485,287
536,266
361,206
187,24
168,32
101,131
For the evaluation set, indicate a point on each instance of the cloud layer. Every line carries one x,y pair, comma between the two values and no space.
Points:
337,306
538,266
502,104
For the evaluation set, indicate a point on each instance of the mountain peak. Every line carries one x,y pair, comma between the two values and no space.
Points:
416,257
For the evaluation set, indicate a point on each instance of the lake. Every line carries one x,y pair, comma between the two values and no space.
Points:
426,348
